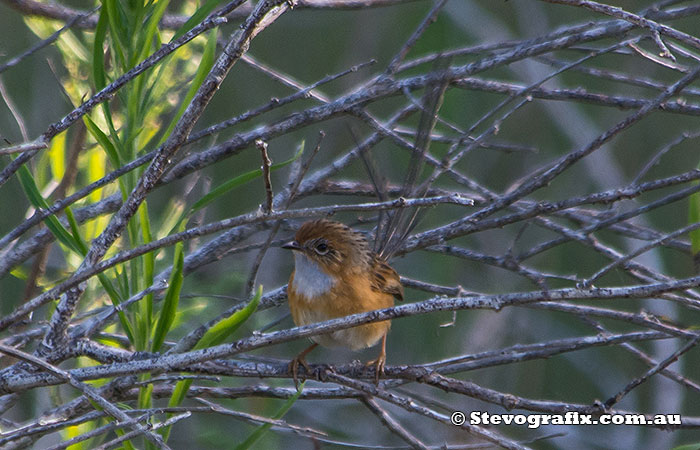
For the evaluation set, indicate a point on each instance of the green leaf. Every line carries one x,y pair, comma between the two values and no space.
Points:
118,31
262,429
145,400
99,74
98,56
82,246
215,336
37,200
123,280
179,392
149,265
146,304
238,181
694,217
202,12
102,277
145,40
103,140
225,327
171,300
202,71
20,273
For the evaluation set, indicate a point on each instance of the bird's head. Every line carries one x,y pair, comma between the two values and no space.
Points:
335,247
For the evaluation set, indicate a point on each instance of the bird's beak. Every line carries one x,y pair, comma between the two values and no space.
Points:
292,245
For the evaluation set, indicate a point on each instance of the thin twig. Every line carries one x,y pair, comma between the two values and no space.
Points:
391,423
88,391
651,372
266,163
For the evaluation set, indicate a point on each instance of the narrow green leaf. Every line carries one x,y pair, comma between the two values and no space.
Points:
146,305
98,70
118,31
123,280
145,400
694,217
98,56
145,42
205,65
170,302
37,200
19,273
215,336
238,181
262,429
179,392
103,140
106,283
225,327
199,15
40,171
147,98
82,246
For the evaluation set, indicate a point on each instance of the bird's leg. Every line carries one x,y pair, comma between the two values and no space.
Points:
379,362
300,359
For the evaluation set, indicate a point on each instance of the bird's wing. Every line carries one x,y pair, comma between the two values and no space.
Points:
385,279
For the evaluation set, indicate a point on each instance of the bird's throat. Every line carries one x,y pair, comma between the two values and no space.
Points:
310,280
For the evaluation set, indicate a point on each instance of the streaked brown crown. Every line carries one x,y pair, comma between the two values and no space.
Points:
333,244
342,251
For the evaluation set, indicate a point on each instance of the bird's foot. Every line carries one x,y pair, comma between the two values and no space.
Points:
378,366
293,369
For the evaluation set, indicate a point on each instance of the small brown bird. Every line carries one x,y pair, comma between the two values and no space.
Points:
337,274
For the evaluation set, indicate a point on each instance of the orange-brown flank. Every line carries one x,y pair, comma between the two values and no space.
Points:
336,274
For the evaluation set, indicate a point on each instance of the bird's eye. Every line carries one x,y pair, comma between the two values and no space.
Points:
321,248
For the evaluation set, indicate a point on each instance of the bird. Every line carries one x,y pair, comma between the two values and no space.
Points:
337,274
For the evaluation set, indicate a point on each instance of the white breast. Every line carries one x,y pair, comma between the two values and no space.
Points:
310,280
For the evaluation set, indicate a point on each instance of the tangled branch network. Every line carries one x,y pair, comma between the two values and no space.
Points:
549,259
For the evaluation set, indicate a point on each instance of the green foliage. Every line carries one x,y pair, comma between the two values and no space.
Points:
200,13
226,327
37,200
239,181
170,302
215,335
695,446
204,67
126,33
694,217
